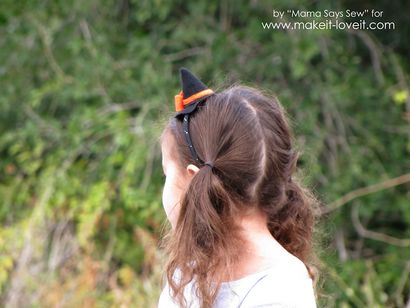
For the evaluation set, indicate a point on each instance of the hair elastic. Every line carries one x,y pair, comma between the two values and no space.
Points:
209,164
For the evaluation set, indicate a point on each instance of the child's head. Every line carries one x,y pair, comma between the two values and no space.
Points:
245,135
225,132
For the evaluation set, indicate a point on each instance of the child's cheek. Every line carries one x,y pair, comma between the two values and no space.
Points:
170,200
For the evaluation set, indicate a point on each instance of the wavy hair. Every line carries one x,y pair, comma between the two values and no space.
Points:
246,135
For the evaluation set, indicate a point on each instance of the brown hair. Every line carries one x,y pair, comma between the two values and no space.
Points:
246,135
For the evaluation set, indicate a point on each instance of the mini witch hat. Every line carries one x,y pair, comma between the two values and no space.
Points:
193,93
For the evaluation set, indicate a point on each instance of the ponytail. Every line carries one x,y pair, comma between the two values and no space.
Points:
293,224
203,237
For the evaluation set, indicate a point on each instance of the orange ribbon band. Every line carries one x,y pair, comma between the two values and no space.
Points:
180,102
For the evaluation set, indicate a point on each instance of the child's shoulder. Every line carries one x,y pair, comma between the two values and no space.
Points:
288,285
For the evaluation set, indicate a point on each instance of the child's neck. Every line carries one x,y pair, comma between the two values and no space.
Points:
261,249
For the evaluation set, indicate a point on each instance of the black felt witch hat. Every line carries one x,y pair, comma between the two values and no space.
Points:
193,92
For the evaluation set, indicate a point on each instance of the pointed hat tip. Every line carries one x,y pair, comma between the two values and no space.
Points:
190,83
186,74
183,70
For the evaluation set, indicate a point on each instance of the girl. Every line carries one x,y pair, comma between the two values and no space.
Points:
242,227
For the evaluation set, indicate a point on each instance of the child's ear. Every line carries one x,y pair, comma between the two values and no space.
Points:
192,170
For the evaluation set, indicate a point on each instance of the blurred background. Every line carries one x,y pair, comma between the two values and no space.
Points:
87,86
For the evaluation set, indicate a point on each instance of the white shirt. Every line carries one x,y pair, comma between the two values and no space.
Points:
281,287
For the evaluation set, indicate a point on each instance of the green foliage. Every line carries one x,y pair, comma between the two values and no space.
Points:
86,87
